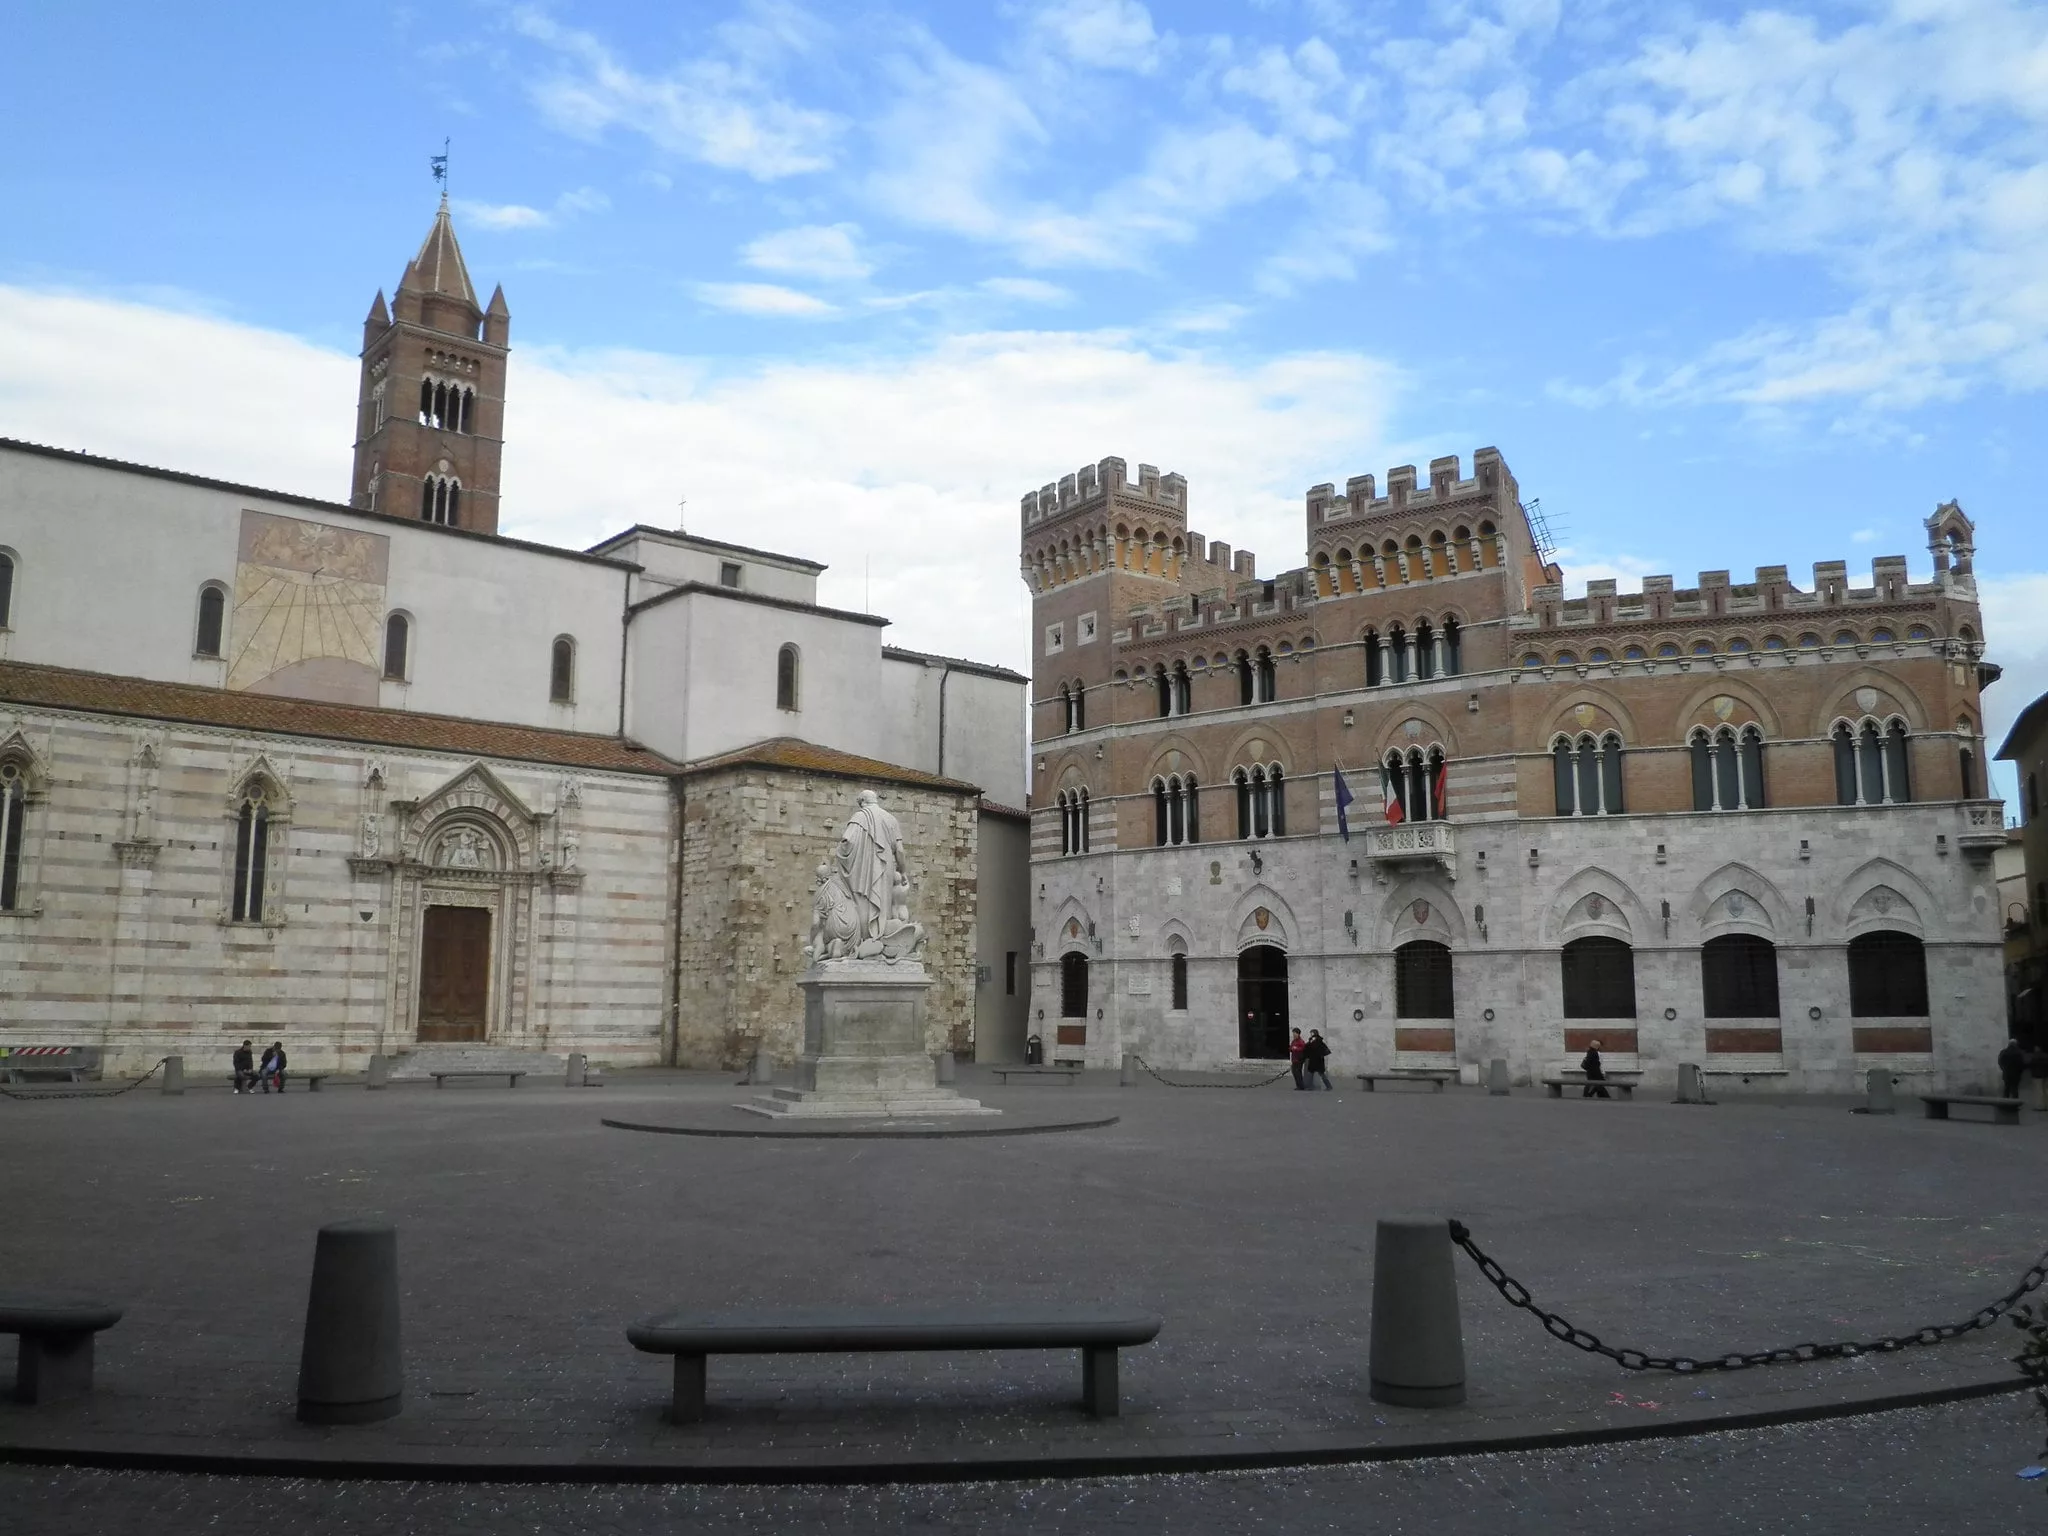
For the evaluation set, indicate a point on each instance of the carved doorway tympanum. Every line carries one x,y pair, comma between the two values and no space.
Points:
455,973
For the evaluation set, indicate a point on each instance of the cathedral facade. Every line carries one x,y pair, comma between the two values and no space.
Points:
1411,795
373,777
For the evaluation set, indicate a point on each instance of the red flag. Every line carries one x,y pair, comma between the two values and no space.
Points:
1443,779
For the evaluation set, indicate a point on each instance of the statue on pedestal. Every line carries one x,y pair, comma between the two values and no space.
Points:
862,907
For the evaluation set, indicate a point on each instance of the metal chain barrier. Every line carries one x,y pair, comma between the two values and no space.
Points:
1517,1295
1169,1082
84,1093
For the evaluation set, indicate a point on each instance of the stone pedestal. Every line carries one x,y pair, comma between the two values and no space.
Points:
864,1048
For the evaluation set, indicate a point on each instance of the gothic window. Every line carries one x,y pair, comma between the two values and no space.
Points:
1587,774
1422,980
1073,986
1375,668
427,403
1727,768
467,423
1267,678
786,678
213,612
252,856
1077,708
6,588
1247,684
1599,977
1397,654
1739,977
1871,763
562,671
1887,976
397,646
1181,689
1162,686
1453,648
13,812
1414,781
1425,650
1261,801
441,501
1179,997
1176,817
1073,809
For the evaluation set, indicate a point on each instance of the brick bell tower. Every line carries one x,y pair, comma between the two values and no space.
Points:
430,416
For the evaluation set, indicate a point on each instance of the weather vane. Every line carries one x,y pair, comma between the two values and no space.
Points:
440,166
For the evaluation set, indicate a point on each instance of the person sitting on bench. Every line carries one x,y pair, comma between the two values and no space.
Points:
272,1070
245,1068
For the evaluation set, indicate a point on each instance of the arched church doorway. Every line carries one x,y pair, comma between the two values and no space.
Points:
455,973
1262,1003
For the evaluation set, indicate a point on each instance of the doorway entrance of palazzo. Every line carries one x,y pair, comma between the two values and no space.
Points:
1262,1003
455,973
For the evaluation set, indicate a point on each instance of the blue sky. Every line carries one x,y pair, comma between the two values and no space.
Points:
1727,286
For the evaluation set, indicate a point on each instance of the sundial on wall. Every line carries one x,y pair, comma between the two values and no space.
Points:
309,609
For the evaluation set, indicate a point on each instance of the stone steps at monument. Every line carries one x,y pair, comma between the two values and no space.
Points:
419,1064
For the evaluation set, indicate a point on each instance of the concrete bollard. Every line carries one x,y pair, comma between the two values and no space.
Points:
947,1066
1691,1089
1418,1346
351,1370
579,1068
1129,1077
763,1069
1497,1077
174,1074
1877,1088
378,1074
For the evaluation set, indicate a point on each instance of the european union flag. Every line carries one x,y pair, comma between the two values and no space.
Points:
1343,805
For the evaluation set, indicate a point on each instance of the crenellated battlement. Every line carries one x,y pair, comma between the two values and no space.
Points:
1717,596
1105,480
1404,496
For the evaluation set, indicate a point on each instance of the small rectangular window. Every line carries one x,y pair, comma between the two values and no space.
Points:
728,574
1010,974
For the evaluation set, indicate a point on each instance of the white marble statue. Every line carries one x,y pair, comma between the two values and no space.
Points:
862,907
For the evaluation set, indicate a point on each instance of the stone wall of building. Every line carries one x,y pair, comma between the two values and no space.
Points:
122,937
753,836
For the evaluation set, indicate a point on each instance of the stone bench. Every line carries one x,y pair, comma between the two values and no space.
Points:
514,1074
1065,1074
55,1359
1436,1080
2003,1111
315,1079
692,1337
1622,1083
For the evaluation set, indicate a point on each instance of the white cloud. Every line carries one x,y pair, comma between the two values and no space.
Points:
949,141
829,252
764,299
516,216
1103,34
922,456
721,108
1028,290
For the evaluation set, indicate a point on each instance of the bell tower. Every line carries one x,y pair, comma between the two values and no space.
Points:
430,414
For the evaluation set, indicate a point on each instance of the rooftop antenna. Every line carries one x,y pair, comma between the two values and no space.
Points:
1540,530
439,165
682,515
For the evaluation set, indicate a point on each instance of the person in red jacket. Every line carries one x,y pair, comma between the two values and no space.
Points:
1297,1048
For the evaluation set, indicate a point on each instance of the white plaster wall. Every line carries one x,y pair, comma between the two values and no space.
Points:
703,678
1002,927
985,723
111,563
1206,894
670,560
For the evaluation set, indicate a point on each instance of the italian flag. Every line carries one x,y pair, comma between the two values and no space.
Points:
1388,779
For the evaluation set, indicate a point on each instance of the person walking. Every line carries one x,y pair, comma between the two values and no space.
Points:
245,1068
2012,1061
1315,1059
1297,1048
1596,1075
